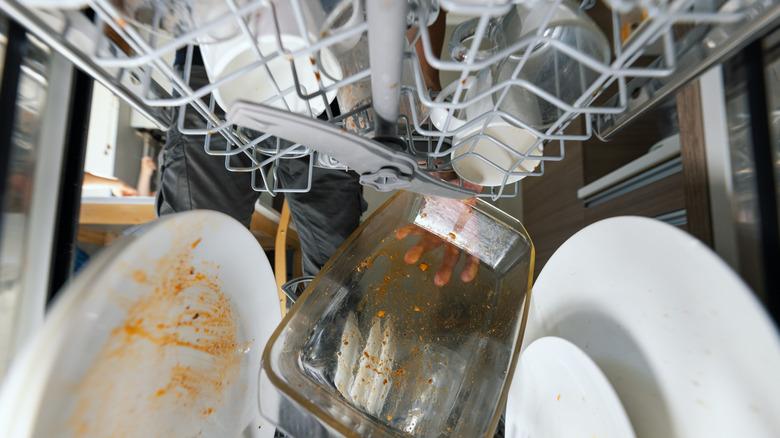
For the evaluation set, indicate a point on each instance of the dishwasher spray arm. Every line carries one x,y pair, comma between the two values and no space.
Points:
380,166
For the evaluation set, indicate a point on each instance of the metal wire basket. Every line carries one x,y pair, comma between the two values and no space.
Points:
129,46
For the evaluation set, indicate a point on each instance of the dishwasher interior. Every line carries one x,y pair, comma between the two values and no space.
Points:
348,85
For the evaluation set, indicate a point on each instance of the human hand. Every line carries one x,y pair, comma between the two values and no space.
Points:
148,165
121,189
429,242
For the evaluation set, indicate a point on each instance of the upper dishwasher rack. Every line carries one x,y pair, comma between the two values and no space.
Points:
133,57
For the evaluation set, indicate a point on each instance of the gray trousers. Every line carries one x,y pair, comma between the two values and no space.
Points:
192,179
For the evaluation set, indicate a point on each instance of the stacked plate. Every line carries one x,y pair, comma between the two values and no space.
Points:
160,336
683,341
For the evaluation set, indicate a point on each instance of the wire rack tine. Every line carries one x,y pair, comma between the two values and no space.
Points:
145,77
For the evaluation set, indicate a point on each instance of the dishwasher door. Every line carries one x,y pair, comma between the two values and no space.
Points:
35,100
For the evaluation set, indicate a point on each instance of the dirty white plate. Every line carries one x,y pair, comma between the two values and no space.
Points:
161,335
557,391
684,342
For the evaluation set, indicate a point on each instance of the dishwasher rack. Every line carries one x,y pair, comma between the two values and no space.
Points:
134,60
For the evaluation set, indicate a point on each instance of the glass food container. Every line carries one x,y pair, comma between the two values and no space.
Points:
374,347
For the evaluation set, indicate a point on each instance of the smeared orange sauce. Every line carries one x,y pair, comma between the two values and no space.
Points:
181,335
139,276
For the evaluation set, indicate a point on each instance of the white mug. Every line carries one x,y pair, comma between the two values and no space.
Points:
231,50
471,167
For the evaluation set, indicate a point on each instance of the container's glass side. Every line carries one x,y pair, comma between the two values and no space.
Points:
387,342
330,286
745,209
18,187
772,72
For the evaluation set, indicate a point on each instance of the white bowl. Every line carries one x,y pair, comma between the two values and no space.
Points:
224,58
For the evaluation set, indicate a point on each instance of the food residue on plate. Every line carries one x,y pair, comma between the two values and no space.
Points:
139,276
176,353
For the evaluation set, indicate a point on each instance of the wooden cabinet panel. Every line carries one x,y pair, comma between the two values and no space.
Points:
551,210
664,196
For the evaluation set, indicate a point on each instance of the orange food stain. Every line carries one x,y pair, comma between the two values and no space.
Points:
161,319
416,309
452,236
380,314
365,264
196,243
139,276
558,397
423,266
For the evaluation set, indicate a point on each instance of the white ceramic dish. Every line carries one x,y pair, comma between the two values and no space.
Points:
58,4
225,56
473,168
684,342
160,336
224,59
557,391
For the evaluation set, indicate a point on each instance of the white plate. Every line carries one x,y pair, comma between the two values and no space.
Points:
557,391
684,342
160,336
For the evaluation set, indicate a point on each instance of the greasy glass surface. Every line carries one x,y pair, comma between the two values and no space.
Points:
18,190
745,200
376,347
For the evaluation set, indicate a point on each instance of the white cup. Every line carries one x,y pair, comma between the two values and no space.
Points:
231,50
471,167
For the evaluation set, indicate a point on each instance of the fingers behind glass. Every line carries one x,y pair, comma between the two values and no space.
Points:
427,243
470,269
451,256
408,230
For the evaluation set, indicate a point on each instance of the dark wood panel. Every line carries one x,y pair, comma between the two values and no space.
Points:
551,210
601,158
692,150
652,200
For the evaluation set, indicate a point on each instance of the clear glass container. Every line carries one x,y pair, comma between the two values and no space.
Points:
374,347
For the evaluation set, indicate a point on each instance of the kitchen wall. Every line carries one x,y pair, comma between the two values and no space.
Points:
114,148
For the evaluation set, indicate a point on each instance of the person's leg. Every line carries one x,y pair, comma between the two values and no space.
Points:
326,215
192,179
